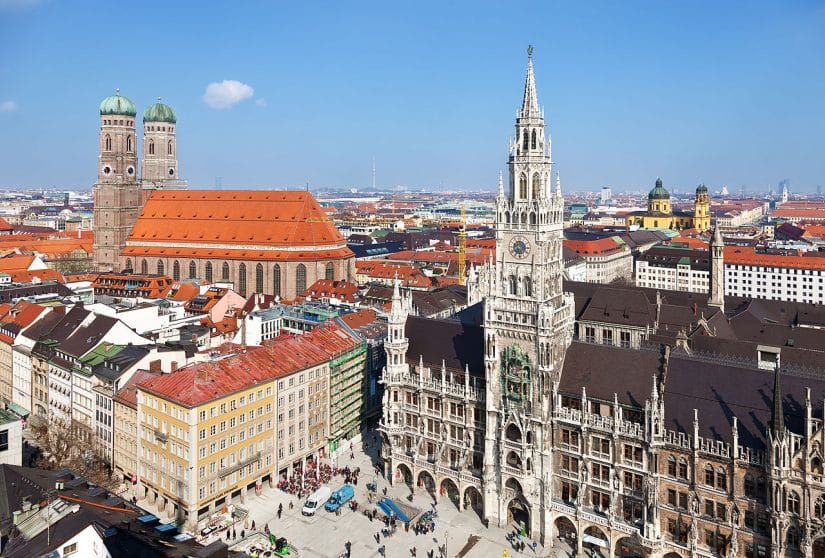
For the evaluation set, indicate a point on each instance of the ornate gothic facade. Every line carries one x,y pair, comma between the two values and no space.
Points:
630,422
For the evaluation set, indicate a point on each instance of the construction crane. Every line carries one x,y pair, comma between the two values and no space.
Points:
462,248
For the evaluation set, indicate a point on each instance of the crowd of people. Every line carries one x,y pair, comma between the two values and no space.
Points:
303,483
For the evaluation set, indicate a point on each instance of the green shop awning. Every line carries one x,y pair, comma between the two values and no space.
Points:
17,409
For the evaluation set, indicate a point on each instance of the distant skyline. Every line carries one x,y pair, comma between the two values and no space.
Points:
272,94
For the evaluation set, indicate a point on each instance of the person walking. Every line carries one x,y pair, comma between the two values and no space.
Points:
382,550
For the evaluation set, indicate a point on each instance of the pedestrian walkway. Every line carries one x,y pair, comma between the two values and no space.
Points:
457,533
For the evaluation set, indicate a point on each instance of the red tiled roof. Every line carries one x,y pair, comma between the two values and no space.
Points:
746,255
243,219
328,288
128,393
593,247
130,284
360,318
200,383
22,314
785,212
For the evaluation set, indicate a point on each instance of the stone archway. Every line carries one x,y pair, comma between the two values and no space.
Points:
426,481
514,485
449,489
819,548
404,472
595,542
473,500
672,555
518,514
626,547
566,530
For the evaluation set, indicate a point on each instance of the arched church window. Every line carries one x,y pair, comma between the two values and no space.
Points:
207,271
513,284
144,267
107,142
259,278
225,271
329,272
129,264
151,147
242,279
532,217
526,142
533,140
528,286
169,148
300,279
536,185
276,280
176,270
129,144
193,269
522,186
160,267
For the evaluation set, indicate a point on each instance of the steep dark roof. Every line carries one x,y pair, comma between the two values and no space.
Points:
114,367
719,391
457,344
606,370
85,338
68,324
665,256
44,325
618,306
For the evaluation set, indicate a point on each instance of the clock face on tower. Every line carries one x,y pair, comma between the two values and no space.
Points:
519,247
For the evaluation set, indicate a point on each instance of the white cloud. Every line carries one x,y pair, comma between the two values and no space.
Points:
8,106
226,94
260,102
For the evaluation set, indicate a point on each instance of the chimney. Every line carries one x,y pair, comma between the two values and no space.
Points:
155,366
174,366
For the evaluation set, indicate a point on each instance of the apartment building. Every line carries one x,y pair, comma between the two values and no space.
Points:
786,276
606,259
210,432
674,268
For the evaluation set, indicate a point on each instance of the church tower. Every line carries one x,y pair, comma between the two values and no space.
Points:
717,271
160,163
528,325
117,191
701,209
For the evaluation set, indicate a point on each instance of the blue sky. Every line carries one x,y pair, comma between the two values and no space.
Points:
696,91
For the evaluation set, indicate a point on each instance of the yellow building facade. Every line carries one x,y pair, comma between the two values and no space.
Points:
194,459
660,213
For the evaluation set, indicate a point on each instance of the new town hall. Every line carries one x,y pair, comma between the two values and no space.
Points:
628,421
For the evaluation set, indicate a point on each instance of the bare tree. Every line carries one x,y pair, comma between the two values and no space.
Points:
69,445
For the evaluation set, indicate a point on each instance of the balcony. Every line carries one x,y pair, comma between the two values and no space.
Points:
162,437
226,471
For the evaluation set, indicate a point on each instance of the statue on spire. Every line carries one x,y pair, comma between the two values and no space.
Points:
530,51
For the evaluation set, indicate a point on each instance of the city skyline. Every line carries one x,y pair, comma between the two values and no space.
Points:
294,95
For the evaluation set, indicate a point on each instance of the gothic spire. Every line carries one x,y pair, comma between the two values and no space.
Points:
530,104
500,185
558,184
717,236
777,418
